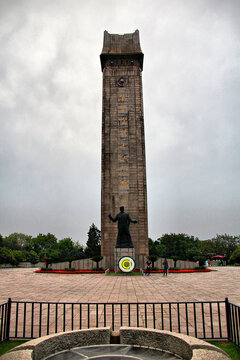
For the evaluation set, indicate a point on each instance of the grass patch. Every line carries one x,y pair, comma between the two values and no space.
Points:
124,274
231,349
10,344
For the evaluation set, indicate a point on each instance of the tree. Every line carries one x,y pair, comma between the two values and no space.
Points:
65,246
153,258
1,240
225,244
180,245
45,242
175,259
152,247
15,241
52,255
97,259
94,242
207,248
16,256
235,257
32,257
70,251
5,255
32,244
155,248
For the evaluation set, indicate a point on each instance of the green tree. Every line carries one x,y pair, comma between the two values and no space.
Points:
151,246
175,259
32,244
97,259
94,242
207,248
1,240
180,245
52,256
225,244
5,255
32,257
70,251
45,242
155,248
235,257
65,246
153,258
15,241
17,256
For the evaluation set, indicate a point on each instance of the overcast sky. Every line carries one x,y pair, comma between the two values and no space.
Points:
50,113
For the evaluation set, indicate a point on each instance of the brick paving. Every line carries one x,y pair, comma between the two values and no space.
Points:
26,285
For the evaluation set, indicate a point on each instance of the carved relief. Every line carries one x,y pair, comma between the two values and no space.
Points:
122,81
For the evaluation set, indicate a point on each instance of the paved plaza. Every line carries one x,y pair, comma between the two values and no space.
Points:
25,284
33,320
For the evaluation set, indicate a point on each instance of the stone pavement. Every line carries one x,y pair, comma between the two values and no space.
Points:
33,320
25,284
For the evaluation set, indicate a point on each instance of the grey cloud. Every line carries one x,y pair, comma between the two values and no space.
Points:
50,108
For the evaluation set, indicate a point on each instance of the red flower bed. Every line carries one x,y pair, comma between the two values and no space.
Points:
102,271
70,272
181,271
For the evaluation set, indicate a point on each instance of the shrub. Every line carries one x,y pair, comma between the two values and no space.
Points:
202,267
98,269
175,268
69,269
46,269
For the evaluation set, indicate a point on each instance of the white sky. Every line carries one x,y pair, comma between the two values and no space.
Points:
50,113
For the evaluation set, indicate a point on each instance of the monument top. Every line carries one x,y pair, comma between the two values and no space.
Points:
126,45
121,44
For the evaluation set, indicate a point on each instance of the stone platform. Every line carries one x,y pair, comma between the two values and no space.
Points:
119,253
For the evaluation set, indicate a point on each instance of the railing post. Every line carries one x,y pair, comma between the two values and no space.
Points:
9,303
228,318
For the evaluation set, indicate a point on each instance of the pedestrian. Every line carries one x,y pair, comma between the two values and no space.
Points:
165,267
148,267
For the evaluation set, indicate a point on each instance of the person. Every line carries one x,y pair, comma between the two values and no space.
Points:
124,239
148,267
165,267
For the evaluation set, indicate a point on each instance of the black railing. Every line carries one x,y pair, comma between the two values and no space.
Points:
201,319
5,313
233,322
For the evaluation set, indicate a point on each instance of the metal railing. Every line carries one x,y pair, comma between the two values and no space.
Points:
233,322
5,313
201,319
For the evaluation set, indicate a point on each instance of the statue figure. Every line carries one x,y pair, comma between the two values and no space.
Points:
124,239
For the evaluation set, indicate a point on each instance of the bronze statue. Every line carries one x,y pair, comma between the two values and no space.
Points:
124,239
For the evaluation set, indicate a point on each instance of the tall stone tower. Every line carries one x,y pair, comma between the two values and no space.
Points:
123,144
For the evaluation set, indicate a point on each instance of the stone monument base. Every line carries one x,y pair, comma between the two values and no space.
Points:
119,253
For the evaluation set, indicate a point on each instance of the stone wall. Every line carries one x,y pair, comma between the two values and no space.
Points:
180,264
108,262
22,265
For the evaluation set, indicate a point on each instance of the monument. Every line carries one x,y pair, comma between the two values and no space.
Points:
123,144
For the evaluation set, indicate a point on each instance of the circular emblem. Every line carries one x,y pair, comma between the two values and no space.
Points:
126,264
122,81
